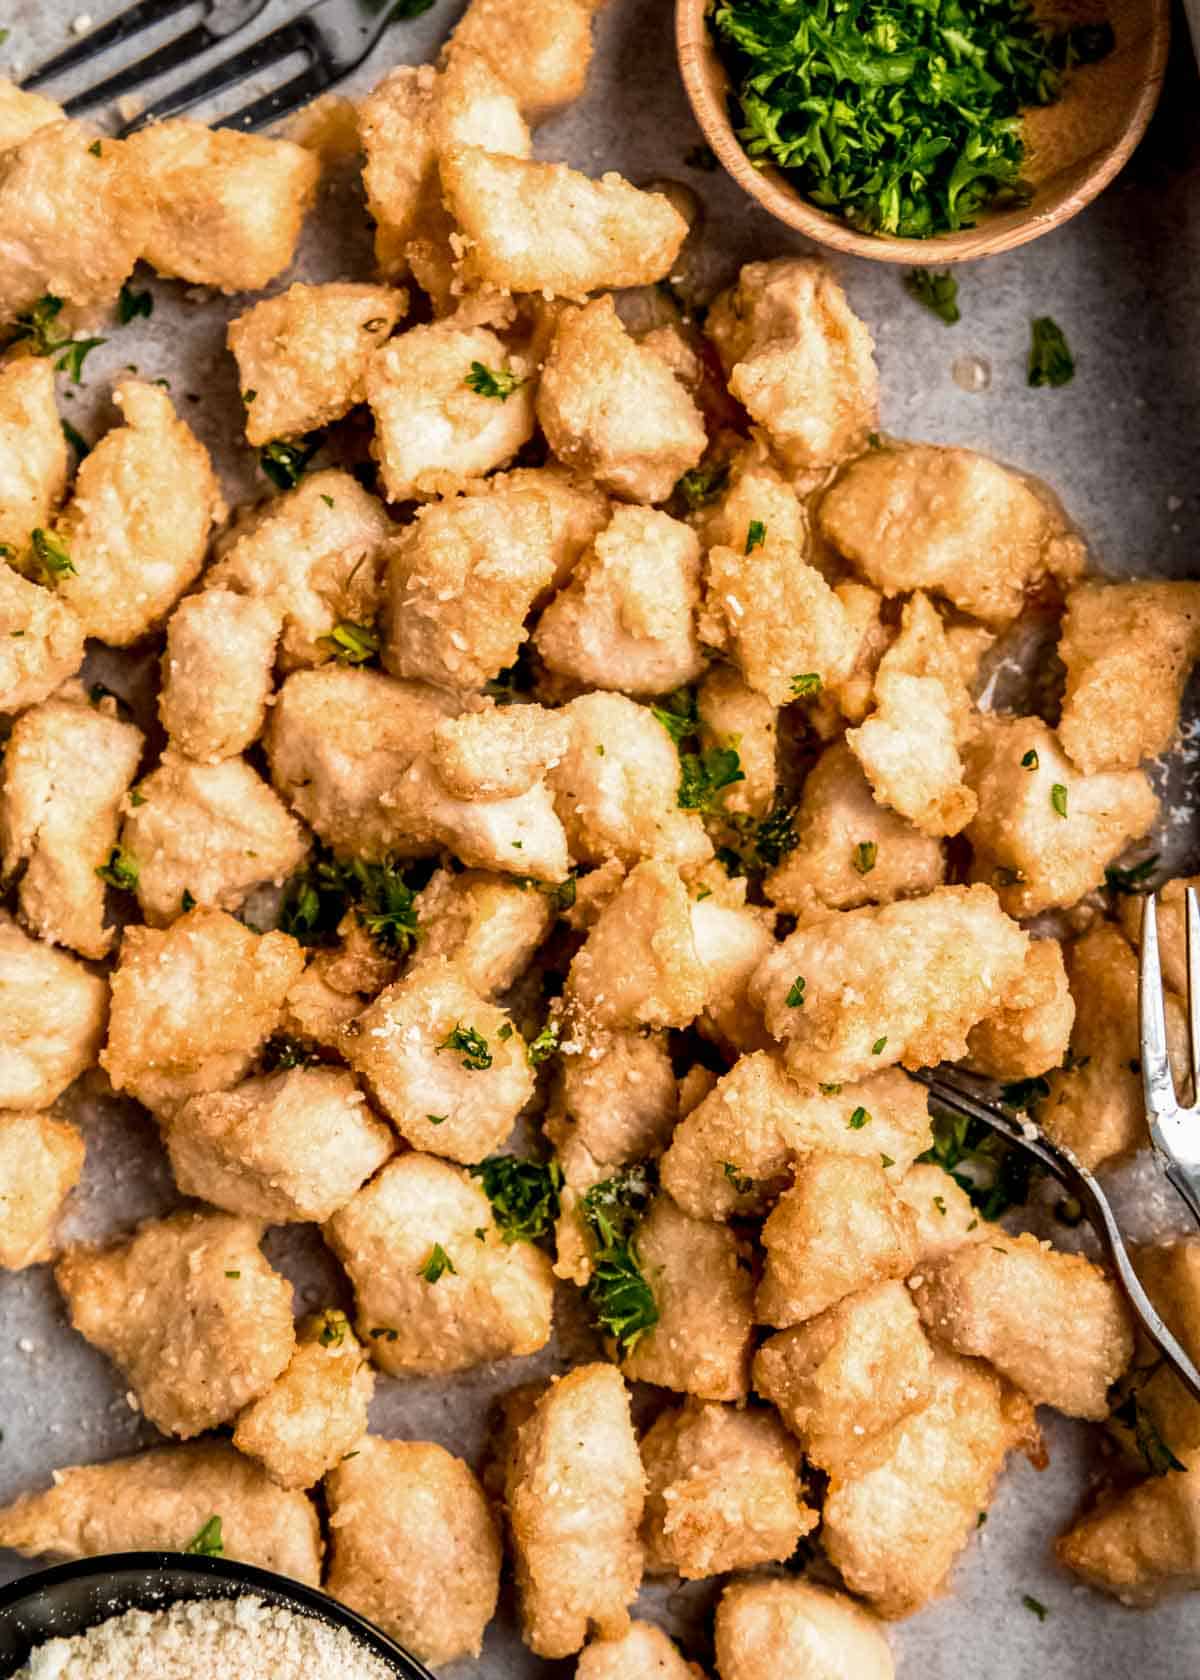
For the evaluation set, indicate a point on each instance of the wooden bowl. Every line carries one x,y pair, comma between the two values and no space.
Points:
1073,148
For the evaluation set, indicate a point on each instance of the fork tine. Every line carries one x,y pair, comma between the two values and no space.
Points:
1192,912
1158,1086
289,97
293,37
132,21
176,51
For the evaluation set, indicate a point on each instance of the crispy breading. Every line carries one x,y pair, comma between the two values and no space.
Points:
52,1015
542,51
1044,834
839,1229
486,926
192,1004
137,525
496,751
413,1545
768,1629
1170,1275
497,1300
851,695
287,1147
915,516
41,1160
738,1148
799,359
225,207
1172,930
575,1493
33,451
1029,1034
64,774
302,356
22,113
730,712
731,941
894,1525
315,1412
445,1065
639,966
217,673
618,1097
612,409
189,1311
315,554
1128,649
722,1491
850,850
945,1214
41,641
643,1652
579,510
159,1501
1141,1544
753,490
699,1277
849,1374
904,983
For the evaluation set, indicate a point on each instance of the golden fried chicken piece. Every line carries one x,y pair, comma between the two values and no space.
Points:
1172,934
753,491
642,1653
1170,1275
542,52
41,1160
639,965
730,711
766,1629
1029,1034
217,673
22,113
486,926
578,508
33,451
160,1501
316,1411
52,1015
414,1546
189,1311
1142,1544
945,1214
41,641
575,1493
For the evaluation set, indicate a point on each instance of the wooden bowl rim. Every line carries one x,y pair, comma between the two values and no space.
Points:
697,55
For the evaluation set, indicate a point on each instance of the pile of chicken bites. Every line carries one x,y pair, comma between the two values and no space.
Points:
609,707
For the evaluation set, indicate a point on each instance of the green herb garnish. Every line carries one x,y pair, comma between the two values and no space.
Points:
741,1181
703,775
1058,798
1050,358
858,1119
121,870
621,1300
131,304
541,1048
51,556
76,439
878,1047
807,686
207,1542
1030,760
283,1052
471,1045
1035,1606
334,1325
318,896
938,292
435,1267
678,714
1156,1454
756,535
994,1173
696,489
486,382
1134,881
795,996
350,643
524,1195
865,854
286,463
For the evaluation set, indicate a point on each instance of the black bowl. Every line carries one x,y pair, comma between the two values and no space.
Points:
58,1603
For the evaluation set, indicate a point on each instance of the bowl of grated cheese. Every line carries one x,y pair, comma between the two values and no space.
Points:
169,1616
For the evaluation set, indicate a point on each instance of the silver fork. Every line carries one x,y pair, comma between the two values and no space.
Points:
1174,1127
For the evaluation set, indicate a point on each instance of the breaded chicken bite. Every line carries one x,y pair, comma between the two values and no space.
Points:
777,619
799,359
302,356
487,927
722,1491
704,1293
1128,649
460,582
839,1229
611,408
642,1653
846,1376
137,525
79,242
436,1286
853,694
413,1545
1170,1275
575,1494
286,1147
217,673
894,1525
1044,834
41,1160
542,52
528,226
639,966
33,451
914,516
753,491
159,1501
729,710
1142,1544
41,641
1094,1106
850,850
945,1214
495,751
447,1067
316,1411
62,779
617,789
22,113
52,1015
766,1629
731,942
225,207
450,403
627,619
1029,1034
207,834
579,510
618,1098
189,1311
192,1004
858,990
337,984
314,554
737,1149
337,740
1052,1323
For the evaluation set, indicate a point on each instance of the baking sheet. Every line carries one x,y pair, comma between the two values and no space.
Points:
1120,447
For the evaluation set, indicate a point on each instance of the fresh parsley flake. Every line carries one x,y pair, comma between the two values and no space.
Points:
1030,760
207,1542
1035,1606
350,643
334,1326
541,1048
488,383
994,1173
831,1090
131,304
318,896
741,1181
385,1333
865,854
437,1265
696,489
807,686
678,714
939,1203
471,1045
886,1161
121,870
618,1294
524,1195
94,149
705,774
286,463
1050,358
51,556
1058,798
756,535
795,996
233,1274
938,292
878,1047
858,1119
186,901
76,439
1134,881
283,1052
34,327
75,353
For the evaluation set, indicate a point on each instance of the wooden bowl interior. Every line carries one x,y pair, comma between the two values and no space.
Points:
1073,147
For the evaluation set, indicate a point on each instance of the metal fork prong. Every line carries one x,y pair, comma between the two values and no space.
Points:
308,85
179,50
293,37
1191,901
1158,1086
132,21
